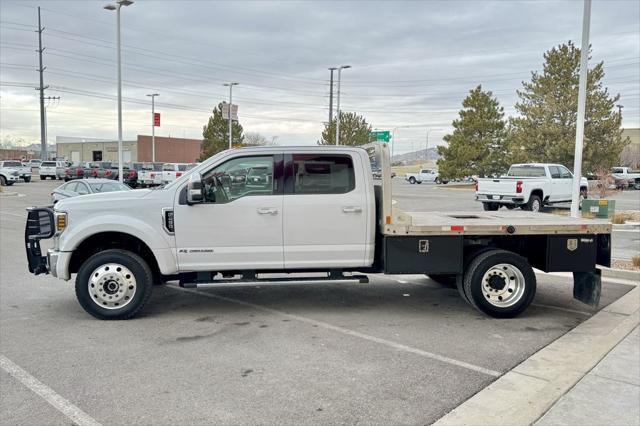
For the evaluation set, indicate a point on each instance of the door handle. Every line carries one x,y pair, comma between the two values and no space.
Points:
267,210
352,209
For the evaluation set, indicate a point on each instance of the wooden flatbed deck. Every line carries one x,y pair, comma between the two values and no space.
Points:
490,223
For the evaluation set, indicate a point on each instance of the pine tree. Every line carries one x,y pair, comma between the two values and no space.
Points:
354,130
216,134
477,145
545,131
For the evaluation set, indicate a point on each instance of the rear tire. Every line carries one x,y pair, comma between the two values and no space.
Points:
500,283
490,207
534,204
114,284
412,180
3,181
27,180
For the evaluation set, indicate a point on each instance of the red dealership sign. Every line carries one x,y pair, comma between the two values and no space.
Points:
156,119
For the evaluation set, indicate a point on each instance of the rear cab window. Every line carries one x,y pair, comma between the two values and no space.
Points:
323,174
526,171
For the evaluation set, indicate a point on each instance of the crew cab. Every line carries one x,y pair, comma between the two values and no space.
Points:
632,177
150,175
52,170
172,171
319,211
529,186
24,172
424,175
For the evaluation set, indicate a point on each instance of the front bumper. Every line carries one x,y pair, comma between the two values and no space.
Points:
500,199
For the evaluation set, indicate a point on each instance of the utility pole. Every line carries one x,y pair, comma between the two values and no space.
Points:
331,95
153,126
43,132
620,112
229,115
582,100
342,67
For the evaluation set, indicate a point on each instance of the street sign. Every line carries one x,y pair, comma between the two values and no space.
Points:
156,119
225,111
381,135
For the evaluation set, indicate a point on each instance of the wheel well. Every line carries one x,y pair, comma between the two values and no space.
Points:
112,240
538,192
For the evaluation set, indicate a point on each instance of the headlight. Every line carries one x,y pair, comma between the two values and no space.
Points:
61,221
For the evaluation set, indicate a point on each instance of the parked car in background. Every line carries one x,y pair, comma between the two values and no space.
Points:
632,177
8,175
529,186
97,169
34,163
74,171
131,176
172,171
150,175
24,173
52,170
85,187
425,175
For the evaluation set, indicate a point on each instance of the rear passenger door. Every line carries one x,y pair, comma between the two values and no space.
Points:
324,223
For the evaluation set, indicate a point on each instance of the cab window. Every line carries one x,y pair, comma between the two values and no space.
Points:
239,177
565,173
555,172
323,174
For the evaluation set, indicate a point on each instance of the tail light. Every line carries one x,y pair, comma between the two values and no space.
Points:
80,172
519,187
178,174
107,172
476,185
132,173
94,173
152,175
67,171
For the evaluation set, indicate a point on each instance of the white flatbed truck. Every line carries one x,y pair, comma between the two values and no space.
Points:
318,210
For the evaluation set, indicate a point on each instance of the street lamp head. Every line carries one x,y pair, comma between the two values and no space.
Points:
125,2
344,67
153,94
333,68
230,84
109,7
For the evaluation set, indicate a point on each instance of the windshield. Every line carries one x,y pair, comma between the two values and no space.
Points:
108,187
12,164
48,164
526,171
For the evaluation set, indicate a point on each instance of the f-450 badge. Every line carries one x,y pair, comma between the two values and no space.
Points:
572,244
423,246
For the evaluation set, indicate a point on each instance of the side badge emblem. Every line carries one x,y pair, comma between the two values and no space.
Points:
572,244
423,246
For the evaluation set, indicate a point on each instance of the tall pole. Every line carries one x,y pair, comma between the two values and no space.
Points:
153,126
43,132
331,95
120,171
230,122
582,98
338,109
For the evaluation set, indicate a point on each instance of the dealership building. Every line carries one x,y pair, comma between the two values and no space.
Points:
168,149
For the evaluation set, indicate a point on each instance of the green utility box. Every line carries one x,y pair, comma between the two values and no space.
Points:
600,209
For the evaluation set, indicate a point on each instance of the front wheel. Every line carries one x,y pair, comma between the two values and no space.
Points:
3,181
500,283
412,180
114,284
27,179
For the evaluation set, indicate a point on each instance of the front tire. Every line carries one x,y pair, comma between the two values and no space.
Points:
412,180
27,180
114,284
3,181
500,283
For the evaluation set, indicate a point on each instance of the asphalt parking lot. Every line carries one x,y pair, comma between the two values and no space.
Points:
401,349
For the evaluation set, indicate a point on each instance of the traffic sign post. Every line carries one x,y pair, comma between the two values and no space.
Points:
381,135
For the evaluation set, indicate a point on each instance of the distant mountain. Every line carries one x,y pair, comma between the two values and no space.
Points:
422,155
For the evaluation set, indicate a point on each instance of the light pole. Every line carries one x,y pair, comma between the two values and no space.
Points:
153,126
426,148
582,100
230,104
331,95
342,67
117,8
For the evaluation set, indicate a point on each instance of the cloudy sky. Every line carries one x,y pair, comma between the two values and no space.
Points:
412,62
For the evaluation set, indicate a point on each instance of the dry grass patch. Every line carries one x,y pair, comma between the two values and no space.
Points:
624,216
636,261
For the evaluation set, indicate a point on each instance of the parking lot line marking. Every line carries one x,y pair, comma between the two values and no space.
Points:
76,415
348,332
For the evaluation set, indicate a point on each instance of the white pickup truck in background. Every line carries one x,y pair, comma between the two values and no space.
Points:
424,175
529,186
171,171
628,175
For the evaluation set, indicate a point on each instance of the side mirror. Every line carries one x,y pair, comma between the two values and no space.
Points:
194,189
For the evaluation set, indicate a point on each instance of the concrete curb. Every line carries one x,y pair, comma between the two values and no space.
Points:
622,274
524,394
625,226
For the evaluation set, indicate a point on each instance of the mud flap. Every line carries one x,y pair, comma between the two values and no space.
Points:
587,287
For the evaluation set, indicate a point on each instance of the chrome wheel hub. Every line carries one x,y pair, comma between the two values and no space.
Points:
503,285
112,286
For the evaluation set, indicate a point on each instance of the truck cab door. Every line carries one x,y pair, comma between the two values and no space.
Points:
557,187
566,177
238,226
326,211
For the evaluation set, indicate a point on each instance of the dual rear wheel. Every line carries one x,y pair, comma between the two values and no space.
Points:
496,282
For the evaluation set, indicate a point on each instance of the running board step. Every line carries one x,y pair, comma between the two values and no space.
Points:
192,280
